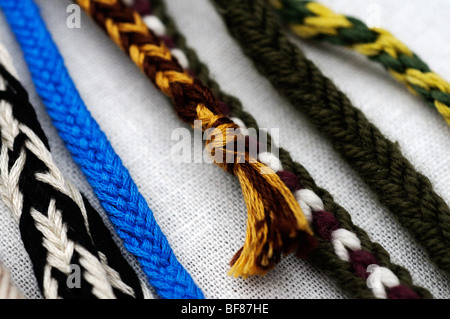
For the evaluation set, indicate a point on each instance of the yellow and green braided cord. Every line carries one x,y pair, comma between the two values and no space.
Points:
310,19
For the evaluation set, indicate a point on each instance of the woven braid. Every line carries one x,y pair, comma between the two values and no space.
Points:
39,206
407,193
7,289
310,19
361,252
276,223
111,181
31,182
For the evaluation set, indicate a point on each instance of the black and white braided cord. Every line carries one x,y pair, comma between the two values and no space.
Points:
61,231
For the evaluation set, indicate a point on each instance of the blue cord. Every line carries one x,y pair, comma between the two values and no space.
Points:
111,181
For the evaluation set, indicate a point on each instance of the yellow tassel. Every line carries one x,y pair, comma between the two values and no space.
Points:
275,223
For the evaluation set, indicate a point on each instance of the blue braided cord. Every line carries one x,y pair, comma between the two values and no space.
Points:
111,181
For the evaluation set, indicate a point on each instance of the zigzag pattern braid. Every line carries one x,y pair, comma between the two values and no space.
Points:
111,181
310,19
7,289
276,223
342,242
55,219
39,207
408,194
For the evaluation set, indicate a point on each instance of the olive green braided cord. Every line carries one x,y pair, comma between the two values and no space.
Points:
324,255
408,194
309,19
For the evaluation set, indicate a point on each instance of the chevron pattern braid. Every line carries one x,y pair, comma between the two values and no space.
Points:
59,228
311,20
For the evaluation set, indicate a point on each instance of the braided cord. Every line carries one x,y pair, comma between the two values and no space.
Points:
310,19
407,193
347,266
276,224
31,184
111,181
7,289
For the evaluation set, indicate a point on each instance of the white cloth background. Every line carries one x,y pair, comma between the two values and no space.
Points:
198,206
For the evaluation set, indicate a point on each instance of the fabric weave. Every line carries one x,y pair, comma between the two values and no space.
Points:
203,230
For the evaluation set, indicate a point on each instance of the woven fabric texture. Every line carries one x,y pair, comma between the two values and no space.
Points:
205,228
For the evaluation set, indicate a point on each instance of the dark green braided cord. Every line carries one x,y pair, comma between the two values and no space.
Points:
295,11
323,256
379,162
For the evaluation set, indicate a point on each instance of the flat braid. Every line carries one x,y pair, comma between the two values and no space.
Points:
21,130
31,188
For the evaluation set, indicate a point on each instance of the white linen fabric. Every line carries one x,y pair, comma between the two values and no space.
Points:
200,207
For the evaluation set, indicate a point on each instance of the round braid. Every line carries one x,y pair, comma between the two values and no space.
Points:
407,193
348,270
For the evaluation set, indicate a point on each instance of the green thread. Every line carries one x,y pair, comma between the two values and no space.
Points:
379,162
324,255
294,13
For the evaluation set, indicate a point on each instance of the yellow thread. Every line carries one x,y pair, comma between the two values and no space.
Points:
163,79
385,42
246,264
154,50
137,56
429,80
307,32
327,22
334,22
444,110
218,137
402,79
113,31
206,116
138,26
85,5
